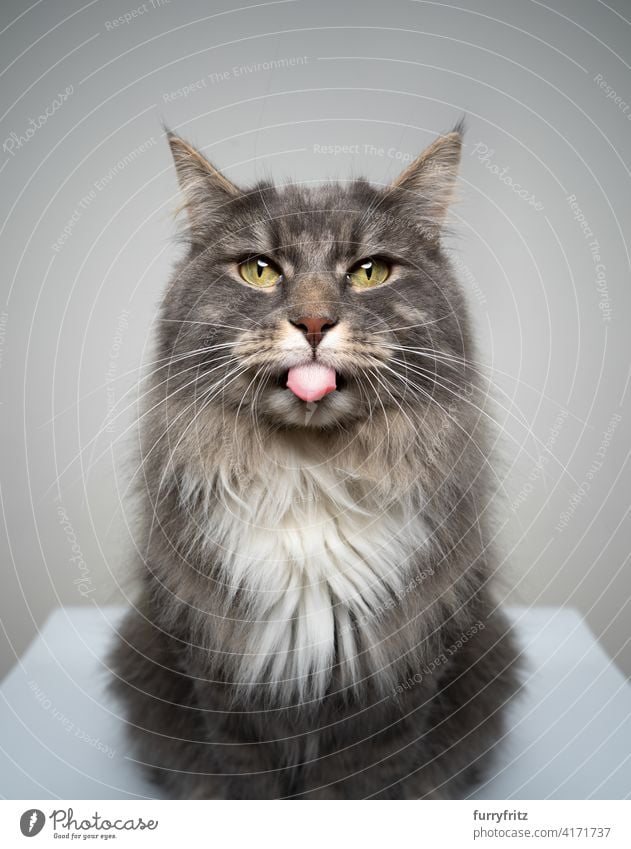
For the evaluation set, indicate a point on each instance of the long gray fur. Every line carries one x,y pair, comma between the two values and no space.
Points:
410,701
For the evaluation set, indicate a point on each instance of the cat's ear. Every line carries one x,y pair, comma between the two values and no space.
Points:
205,189
427,185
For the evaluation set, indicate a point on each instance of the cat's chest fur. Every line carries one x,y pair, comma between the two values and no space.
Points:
318,553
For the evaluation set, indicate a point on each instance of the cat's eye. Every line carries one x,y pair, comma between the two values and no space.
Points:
369,273
259,272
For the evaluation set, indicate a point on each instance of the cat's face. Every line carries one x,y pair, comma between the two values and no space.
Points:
315,307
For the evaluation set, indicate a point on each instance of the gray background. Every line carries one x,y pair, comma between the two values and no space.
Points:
544,88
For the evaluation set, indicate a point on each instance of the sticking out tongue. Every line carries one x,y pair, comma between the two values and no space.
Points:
312,381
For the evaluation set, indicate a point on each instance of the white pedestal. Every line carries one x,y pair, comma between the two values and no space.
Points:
61,735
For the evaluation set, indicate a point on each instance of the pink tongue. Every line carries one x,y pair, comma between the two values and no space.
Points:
311,382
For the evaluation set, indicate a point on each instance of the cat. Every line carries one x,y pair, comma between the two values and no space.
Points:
315,617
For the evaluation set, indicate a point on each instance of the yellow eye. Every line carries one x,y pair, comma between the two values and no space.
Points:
259,272
368,273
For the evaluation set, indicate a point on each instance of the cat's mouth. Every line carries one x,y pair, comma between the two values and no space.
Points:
319,397
311,382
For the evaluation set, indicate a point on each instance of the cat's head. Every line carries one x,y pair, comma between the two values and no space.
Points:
315,306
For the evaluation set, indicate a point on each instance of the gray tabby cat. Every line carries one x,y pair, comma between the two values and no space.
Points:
315,618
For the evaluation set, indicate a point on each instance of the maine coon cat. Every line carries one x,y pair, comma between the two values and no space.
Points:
316,618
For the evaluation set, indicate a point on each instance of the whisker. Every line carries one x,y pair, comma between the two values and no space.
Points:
451,418
451,358
101,430
165,362
155,503
206,323
412,326
465,399
385,415
208,396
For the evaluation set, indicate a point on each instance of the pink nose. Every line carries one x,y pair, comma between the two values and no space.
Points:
314,328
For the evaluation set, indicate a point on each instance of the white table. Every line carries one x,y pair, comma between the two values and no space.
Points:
61,736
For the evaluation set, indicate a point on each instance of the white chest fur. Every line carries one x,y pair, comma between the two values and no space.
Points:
313,548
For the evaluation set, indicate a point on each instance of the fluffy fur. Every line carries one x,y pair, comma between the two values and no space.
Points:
315,617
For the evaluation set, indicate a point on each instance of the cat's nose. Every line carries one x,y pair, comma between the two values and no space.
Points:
314,328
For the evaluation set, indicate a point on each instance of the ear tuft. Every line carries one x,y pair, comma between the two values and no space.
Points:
205,188
428,183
